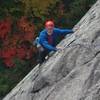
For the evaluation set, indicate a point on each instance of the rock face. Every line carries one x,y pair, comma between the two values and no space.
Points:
71,74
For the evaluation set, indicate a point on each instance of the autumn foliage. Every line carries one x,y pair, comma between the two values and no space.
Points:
16,44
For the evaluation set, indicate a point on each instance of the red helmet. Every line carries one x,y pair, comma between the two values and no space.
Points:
49,23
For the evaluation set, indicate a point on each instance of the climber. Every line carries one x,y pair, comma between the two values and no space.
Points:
47,39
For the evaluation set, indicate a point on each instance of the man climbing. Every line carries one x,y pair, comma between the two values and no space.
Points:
47,39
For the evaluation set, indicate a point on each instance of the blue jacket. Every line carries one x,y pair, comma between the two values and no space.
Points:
43,38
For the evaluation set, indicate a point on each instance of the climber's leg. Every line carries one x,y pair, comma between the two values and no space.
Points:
42,55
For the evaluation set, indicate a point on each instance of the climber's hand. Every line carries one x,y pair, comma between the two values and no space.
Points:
59,48
75,28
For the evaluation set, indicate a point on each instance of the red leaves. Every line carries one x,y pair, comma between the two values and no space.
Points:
10,47
9,53
8,56
9,62
2,30
5,28
0,53
28,36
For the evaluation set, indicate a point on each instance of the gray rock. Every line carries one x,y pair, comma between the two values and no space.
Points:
71,74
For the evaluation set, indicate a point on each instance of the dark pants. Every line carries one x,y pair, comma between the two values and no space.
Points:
42,55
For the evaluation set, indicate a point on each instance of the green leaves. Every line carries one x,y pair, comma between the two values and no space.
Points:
11,7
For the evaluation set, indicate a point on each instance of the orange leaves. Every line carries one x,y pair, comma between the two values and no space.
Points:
22,23
27,27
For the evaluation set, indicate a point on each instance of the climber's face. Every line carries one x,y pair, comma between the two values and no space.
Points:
50,30
49,25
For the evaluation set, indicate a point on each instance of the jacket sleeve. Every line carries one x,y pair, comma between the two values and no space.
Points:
45,44
63,31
